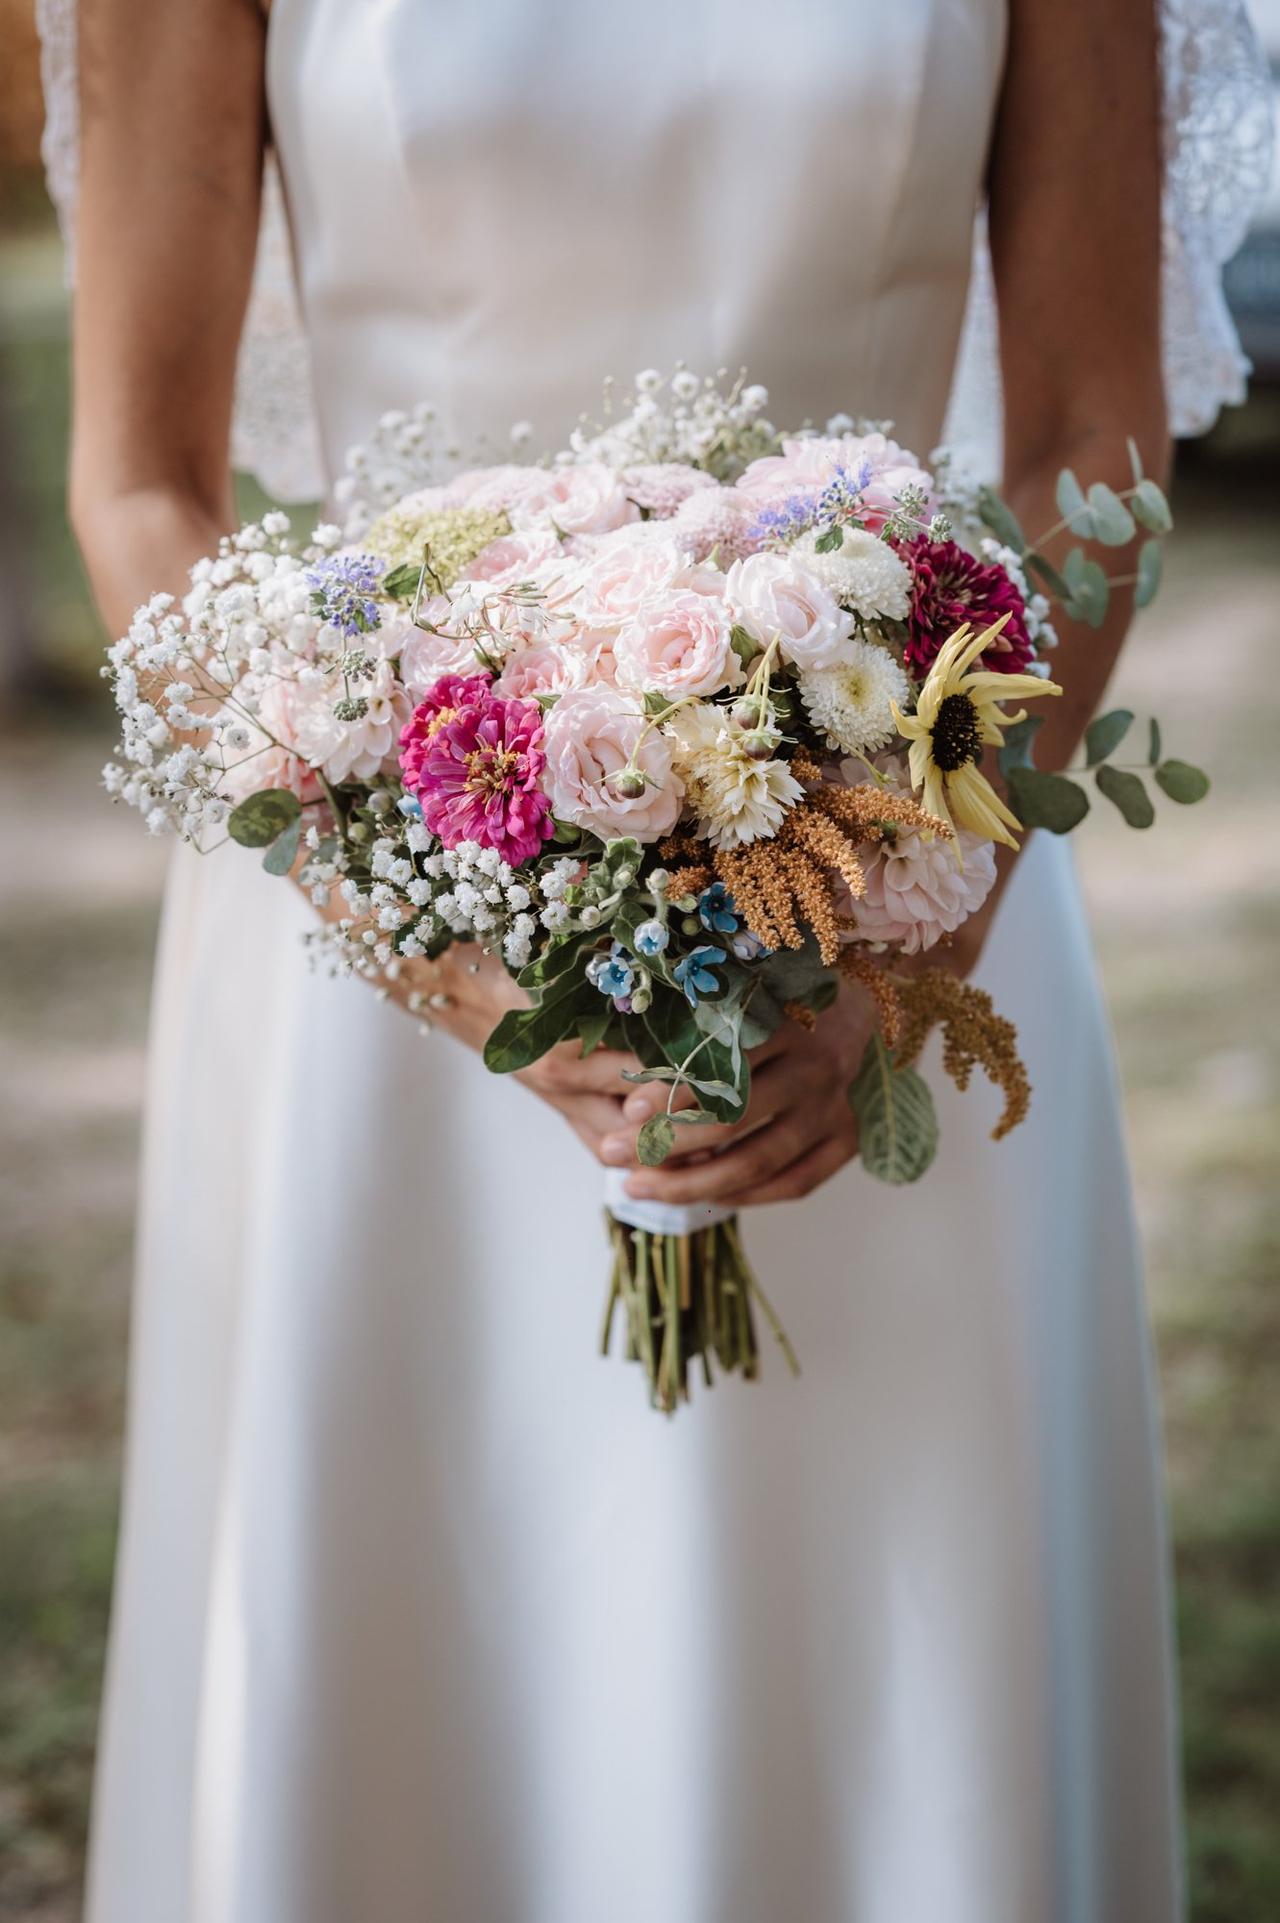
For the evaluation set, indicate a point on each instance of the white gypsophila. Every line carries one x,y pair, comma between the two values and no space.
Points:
681,418
852,704
734,799
863,574
1040,630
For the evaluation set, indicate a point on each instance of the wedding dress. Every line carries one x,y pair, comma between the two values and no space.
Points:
421,1612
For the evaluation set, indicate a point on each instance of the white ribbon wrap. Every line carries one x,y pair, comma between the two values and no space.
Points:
659,1218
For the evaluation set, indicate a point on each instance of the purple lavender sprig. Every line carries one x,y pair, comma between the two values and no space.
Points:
342,590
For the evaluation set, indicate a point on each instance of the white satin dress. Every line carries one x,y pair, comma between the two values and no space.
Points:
422,1613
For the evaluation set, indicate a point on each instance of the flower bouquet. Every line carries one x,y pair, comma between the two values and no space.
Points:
690,722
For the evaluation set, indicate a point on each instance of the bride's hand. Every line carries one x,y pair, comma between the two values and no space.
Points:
466,992
798,1129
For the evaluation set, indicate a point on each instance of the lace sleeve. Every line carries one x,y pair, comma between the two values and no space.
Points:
274,432
1217,128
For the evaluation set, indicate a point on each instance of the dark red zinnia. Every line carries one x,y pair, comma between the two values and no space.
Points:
950,586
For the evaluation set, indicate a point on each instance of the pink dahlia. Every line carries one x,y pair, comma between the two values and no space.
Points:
474,760
949,586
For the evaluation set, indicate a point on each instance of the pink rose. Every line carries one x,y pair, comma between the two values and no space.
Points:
591,736
809,462
274,758
627,569
512,558
589,499
678,644
544,667
774,597
425,657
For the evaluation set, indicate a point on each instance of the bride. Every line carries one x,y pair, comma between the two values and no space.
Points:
420,1612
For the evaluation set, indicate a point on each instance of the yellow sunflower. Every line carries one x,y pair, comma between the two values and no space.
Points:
957,716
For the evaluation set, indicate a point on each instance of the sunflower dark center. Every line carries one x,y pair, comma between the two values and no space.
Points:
956,735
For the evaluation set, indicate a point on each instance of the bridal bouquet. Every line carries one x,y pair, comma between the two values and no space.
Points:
690,723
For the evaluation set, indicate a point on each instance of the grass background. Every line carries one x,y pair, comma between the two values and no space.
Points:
1186,919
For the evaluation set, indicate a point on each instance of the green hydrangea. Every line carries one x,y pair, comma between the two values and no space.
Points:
454,537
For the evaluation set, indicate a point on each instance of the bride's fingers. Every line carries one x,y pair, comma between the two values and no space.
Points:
751,1164
803,1176
768,1099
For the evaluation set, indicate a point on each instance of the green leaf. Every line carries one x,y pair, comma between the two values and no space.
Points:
793,974
283,852
1018,742
1105,733
1001,519
1129,795
402,583
1090,593
1072,505
557,961
1182,781
828,541
524,1035
1150,565
260,818
593,1028
897,1122
655,702
1047,574
1112,521
1153,750
656,1140
1045,800
1150,508
743,643
762,1016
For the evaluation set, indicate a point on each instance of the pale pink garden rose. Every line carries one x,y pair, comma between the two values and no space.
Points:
624,570
591,734
513,557
679,644
917,891
775,598
424,657
544,667
588,499
808,462
359,748
660,486
274,758
595,645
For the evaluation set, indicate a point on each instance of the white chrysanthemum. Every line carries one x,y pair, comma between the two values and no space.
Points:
735,800
852,703
863,574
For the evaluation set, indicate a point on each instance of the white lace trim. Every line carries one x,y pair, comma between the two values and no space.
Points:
1217,136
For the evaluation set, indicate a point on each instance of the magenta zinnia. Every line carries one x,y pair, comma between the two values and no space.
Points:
950,587
474,761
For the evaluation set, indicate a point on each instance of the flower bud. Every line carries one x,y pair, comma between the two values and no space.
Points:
691,925
747,712
590,916
627,784
759,746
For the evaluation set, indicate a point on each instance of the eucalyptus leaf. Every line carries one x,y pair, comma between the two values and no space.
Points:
897,1121
1150,567
1001,519
1150,508
1153,748
1047,575
1129,795
1113,523
1018,742
1072,505
283,852
259,819
656,1140
1182,781
1090,591
1105,733
1046,800
1135,459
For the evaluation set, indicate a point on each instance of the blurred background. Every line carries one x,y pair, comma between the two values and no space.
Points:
1186,924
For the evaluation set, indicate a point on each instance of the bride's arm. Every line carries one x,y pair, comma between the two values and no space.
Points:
172,134
1074,187
1074,199
173,127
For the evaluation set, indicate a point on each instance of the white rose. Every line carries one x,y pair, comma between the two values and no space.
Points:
775,598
